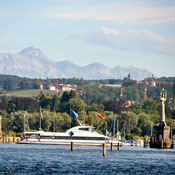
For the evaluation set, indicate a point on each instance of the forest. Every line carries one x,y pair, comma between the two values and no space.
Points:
133,121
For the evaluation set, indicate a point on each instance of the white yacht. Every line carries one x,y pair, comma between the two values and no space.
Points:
80,135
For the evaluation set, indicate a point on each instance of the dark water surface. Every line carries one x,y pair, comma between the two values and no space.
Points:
52,159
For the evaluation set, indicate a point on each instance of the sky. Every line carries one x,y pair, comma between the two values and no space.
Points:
139,33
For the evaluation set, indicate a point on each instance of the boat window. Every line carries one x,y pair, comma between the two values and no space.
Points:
31,136
73,138
84,129
91,129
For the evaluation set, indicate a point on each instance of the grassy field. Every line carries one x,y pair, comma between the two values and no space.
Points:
29,93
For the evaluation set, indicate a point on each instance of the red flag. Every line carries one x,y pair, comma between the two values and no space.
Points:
101,116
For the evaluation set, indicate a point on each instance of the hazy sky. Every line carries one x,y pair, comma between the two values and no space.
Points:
138,33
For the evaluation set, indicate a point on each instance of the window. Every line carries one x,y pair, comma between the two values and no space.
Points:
84,129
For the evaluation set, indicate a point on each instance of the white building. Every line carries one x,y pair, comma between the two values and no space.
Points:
52,88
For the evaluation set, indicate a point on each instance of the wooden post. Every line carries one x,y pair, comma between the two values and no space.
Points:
104,149
118,146
72,146
145,142
111,146
161,144
171,133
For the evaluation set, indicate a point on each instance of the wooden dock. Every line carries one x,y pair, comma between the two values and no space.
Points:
7,139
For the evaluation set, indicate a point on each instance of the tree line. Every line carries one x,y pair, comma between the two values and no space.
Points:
132,122
94,97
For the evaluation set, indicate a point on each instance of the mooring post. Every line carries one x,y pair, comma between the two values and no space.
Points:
104,149
111,146
145,142
72,146
118,146
13,139
161,144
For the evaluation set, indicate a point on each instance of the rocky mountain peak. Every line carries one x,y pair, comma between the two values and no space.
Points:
31,51
31,62
96,65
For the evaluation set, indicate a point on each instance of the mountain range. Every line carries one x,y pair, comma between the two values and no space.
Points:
33,63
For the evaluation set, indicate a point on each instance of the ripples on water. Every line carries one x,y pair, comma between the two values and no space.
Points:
50,159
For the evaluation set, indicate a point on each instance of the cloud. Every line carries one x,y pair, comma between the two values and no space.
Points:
130,40
117,12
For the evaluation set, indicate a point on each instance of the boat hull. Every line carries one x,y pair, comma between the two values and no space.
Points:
68,142
65,142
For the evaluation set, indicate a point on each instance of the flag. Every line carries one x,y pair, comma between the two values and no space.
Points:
101,116
73,113
55,115
41,114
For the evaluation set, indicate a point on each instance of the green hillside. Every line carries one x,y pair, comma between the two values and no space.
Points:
29,93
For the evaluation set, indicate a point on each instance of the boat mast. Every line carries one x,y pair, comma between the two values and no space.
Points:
40,123
129,129
54,123
106,128
114,127
54,118
151,133
84,118
24,122
171,134
40,118
117,130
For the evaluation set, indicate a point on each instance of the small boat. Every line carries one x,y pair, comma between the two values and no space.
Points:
80,135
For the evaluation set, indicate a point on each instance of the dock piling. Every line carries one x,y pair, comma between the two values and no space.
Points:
118,146
72,146
104,149
111,146
161,144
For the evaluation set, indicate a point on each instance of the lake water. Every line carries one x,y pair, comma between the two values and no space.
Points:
52,159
